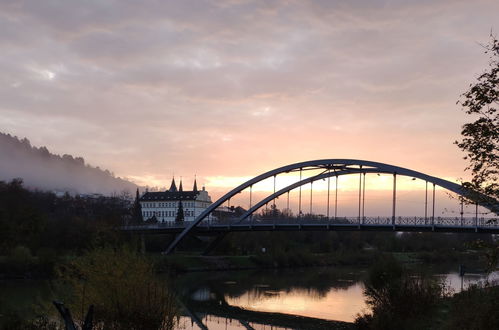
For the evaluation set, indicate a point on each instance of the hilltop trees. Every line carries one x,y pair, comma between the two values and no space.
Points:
41,169
480,139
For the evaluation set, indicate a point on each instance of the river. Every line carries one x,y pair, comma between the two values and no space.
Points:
331,293
212,298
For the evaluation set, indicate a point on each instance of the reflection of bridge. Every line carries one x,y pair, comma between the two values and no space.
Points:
326,169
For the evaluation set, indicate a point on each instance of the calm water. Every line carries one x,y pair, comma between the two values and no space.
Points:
326,293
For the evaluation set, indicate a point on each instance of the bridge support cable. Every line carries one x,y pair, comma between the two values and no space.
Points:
296,185
299,198
426,203
274,189
462,209
360,191
476,215
347,166
311,190
336,198
363,196
433,207
250,200
287,204
394,202
328,190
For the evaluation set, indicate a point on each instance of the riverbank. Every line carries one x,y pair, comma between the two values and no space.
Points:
25,266
180,263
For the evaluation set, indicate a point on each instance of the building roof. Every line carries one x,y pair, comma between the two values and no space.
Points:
169,196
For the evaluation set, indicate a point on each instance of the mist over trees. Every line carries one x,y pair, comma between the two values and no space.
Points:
40,169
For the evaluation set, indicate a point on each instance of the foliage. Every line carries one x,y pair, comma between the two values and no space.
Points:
480,139
15,321
123,287
41,221
490,252
180,212
397,299
20,259
475,308
136,212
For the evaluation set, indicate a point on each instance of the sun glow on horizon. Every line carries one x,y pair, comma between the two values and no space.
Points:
381,182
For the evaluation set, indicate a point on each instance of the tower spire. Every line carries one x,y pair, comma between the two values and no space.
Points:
195,188
173,186
180,185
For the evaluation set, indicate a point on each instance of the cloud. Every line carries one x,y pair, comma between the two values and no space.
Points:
235,87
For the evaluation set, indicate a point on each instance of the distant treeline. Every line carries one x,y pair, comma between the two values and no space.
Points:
37,227
41,169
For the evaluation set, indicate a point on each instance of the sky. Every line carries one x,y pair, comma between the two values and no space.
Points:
226,90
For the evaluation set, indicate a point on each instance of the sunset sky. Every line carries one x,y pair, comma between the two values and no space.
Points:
230,89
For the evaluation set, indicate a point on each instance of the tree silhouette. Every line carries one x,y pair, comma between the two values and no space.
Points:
480,139
137,209
180,212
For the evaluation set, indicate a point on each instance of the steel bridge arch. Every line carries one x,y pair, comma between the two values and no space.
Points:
333,167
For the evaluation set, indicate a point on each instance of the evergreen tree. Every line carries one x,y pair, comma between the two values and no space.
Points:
137,209
180,212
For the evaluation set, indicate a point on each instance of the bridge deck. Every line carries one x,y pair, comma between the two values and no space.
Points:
445,225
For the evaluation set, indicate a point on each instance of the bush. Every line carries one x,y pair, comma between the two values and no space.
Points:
19,260
123,287
397,299
475,308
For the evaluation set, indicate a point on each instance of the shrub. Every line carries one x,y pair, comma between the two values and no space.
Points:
123,287
475,308
19,260
397,299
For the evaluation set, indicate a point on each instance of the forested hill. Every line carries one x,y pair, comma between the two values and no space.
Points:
43,170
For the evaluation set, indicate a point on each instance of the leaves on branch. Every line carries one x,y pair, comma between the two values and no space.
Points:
480,139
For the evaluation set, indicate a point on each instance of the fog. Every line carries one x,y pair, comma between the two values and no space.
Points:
40,169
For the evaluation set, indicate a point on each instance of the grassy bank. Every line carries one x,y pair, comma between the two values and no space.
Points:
193,262
189,262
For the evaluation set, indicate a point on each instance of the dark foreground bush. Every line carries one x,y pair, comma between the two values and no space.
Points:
476,308
398,300
123,287
15,321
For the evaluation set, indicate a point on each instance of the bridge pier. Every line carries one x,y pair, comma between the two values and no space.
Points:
213,244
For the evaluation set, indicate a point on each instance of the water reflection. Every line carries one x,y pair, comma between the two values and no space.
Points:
327,293
457,283
222,323
340,304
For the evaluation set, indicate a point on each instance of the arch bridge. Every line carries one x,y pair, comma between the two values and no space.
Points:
325,169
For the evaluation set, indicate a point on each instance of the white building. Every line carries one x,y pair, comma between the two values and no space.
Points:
164,205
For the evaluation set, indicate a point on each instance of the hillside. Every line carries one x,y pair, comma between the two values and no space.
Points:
40,169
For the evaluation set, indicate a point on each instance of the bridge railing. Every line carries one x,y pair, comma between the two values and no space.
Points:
414,221
369,221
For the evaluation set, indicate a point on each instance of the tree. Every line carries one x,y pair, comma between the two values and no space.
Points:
180,212
480,138
137,209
